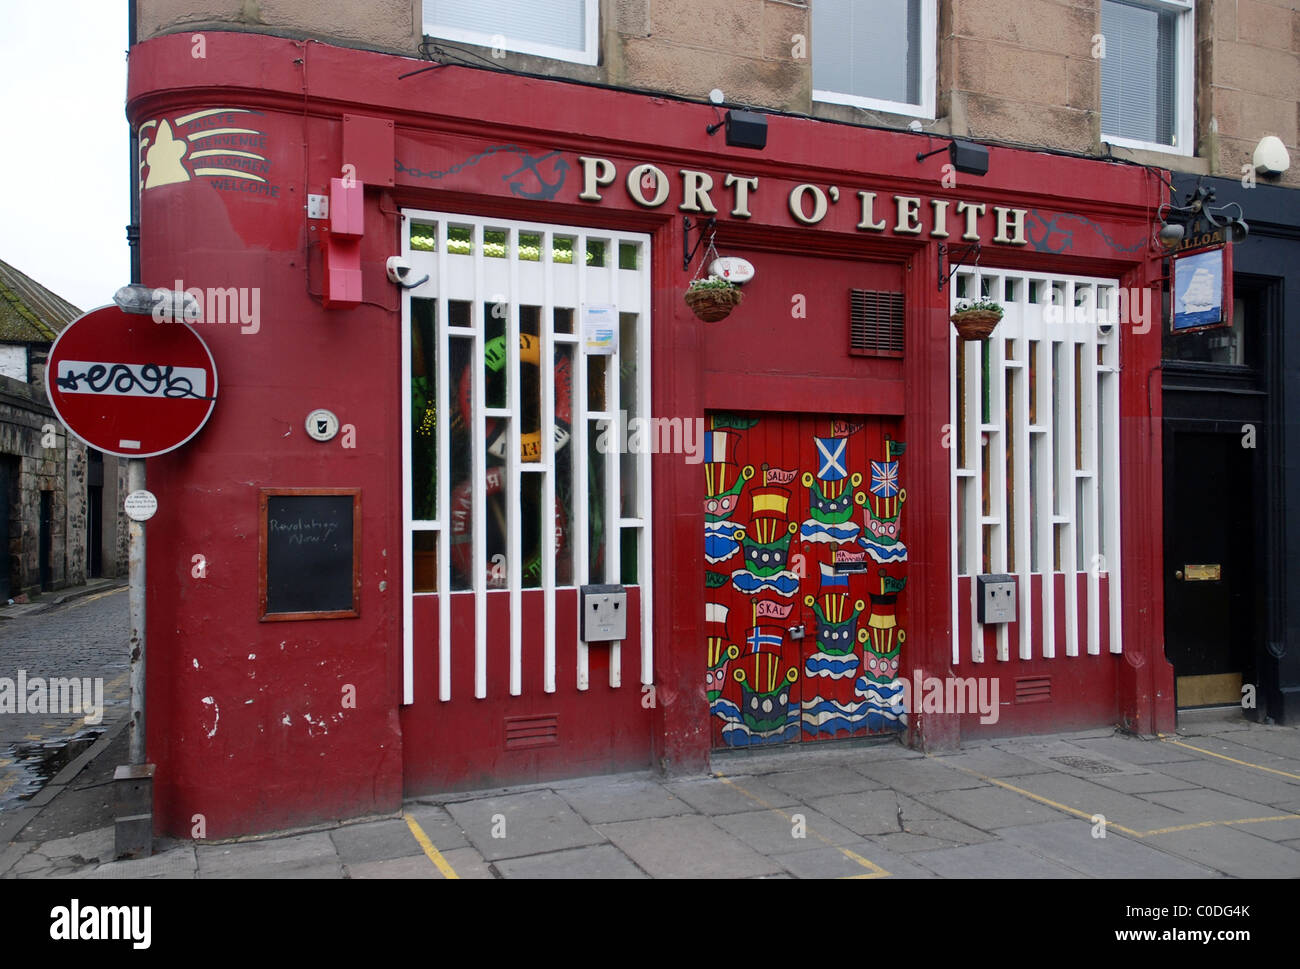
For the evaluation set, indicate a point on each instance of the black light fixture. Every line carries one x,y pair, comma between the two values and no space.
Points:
745,129
966,156
1193,217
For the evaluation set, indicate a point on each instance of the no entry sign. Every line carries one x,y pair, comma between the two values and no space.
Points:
128,385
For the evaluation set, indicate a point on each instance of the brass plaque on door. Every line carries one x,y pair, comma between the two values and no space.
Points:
1203,573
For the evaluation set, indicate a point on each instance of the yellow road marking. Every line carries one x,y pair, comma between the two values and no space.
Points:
873,870
434,854
1109,823
1243,763
98,595
6,783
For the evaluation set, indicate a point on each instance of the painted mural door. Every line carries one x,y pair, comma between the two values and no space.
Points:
804,580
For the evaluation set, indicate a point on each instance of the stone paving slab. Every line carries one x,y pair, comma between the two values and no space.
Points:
945,829
1071,843
917,776
1231,745
828,862
259,859
991,761
1203,805
1071,757
802,784
1131,750
601,802
1148,783
996,859
535,822
375,841
769,833
1089,798
1253,785
687,847
1231,850
990,808
468,863
734,795
1276,740
179,862
440,827
404,868
99,844
595,861
868,813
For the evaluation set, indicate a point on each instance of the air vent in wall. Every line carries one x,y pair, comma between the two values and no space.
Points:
1033,689
875,323
525,732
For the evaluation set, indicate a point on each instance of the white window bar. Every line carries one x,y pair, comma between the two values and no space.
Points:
1071,451
482,283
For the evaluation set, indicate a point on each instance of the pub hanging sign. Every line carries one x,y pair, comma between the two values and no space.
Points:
1201,286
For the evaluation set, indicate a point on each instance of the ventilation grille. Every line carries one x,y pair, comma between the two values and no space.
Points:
525,732
875,323
1033,689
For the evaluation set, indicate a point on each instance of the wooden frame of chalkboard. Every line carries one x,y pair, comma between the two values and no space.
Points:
284,588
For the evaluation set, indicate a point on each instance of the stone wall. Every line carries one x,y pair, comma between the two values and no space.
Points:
27,424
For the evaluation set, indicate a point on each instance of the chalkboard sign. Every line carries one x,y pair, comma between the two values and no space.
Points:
310,553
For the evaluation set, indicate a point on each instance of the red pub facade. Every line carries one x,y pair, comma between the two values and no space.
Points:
791,508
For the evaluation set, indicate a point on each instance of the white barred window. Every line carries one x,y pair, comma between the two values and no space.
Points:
505,486
1035,454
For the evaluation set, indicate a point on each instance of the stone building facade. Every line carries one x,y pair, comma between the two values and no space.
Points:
1024,72
61,505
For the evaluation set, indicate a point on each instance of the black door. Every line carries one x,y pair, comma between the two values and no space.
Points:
6,482
46,539
94,513
1210,582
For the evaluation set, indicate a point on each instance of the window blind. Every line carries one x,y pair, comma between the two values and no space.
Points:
1139,72
556,23
870,53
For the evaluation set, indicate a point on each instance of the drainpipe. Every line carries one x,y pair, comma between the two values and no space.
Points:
133,782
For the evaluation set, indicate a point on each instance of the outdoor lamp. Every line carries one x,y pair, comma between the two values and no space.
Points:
745,129
965,156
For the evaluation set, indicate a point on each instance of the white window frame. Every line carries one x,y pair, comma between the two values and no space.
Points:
589,54
1184,83
1090,528
925,109
477,279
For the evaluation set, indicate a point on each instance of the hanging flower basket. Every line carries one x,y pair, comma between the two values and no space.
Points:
713,299
976,320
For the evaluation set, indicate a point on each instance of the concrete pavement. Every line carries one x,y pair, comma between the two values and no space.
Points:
1220,798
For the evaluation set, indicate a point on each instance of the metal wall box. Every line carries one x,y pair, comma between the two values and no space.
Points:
603,614
995,598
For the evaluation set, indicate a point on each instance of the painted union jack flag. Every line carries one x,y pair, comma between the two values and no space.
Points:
884,478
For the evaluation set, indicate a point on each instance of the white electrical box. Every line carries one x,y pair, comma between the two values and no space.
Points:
604,614
995,599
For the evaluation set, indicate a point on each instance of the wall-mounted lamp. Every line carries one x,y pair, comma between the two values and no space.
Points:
745,129
966,156
1179,221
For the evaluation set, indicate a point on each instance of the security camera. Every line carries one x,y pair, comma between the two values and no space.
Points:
400,272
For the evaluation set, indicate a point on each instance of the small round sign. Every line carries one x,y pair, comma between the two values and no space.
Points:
140,506
322,424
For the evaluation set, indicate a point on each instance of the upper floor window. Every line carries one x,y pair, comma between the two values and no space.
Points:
1146,74
878,56
562,29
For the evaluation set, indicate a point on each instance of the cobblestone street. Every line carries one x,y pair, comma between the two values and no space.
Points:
85,638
